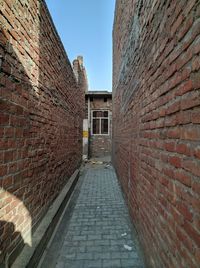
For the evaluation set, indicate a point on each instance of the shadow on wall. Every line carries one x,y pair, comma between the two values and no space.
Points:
38,116
9,228
15,166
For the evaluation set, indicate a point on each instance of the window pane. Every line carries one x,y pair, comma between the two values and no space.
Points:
99,113
96,126
104,126
105,114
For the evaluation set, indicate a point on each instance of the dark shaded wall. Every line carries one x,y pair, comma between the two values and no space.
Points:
41,113
156,125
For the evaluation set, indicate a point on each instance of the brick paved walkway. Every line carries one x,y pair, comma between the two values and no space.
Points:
98,233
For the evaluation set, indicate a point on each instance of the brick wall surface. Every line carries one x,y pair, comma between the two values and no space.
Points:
100,146
156,125
41,111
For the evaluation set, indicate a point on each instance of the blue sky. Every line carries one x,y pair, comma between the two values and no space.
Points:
85,28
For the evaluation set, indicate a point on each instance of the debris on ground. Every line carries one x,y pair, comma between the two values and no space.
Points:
97,162
127,247
108,166
124,234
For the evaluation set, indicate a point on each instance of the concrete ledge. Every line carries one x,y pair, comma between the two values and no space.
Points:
30,256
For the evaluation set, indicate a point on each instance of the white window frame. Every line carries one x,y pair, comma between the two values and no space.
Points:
102,110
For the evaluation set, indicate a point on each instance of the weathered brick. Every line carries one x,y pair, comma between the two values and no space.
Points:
183,177
41,107
175,161
156,124
191,132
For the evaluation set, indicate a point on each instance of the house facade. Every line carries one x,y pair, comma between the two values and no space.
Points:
97,124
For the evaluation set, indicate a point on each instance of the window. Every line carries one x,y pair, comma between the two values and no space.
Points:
100,123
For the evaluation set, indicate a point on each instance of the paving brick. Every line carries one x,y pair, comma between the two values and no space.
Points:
129,262
67,256
71,264
94,249
85,256
102,256
94,237
80,237
93,264
121,255
100,242
111,263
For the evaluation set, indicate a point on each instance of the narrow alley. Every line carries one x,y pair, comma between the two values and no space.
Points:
95,230
81,83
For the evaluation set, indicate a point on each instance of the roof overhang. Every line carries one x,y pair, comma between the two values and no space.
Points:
98,94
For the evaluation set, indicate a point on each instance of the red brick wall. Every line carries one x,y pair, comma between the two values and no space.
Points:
156,125
41,110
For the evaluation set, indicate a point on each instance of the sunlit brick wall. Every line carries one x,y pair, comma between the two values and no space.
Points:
156,125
